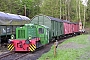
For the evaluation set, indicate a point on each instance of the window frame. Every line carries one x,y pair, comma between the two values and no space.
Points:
41,31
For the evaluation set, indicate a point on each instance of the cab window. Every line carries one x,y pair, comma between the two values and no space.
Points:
41,30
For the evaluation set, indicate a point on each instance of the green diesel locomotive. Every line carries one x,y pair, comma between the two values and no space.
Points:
29,37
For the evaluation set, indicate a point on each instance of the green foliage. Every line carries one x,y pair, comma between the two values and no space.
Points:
51,8
88,10
68,8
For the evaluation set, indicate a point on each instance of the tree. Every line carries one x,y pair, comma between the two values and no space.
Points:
19,6
88,11
64,9
53,8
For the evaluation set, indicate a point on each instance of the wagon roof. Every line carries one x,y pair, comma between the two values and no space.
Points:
75,23
55,19
50,18
8,16
24,17
67,21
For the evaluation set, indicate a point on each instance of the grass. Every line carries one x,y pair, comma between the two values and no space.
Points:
68,54
82,39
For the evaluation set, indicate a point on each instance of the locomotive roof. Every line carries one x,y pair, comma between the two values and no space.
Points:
44,26
8,16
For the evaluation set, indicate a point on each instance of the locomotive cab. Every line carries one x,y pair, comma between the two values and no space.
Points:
29,37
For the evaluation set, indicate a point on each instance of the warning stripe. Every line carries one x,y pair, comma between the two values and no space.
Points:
10,47
32,47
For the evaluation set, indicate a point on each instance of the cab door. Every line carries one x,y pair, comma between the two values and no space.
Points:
41,35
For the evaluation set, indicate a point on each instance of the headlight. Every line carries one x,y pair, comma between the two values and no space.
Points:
12,37
27,42
29,37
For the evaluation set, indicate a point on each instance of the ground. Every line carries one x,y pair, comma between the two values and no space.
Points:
86,55
87,30
3,49
73,45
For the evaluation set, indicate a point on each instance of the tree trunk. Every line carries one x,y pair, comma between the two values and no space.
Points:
84,17
52,7
60,9
76,9
66,8
56,13
79,11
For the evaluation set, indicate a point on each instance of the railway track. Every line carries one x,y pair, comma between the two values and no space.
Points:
21,56
12,56
6,54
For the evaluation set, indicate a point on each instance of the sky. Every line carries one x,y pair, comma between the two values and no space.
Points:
85,2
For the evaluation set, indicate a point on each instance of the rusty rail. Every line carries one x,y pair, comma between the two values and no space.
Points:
6,54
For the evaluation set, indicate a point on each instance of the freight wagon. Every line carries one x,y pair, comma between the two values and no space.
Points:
57,27
70,28
9,23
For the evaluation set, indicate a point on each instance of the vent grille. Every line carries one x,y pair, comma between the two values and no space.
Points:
21,33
